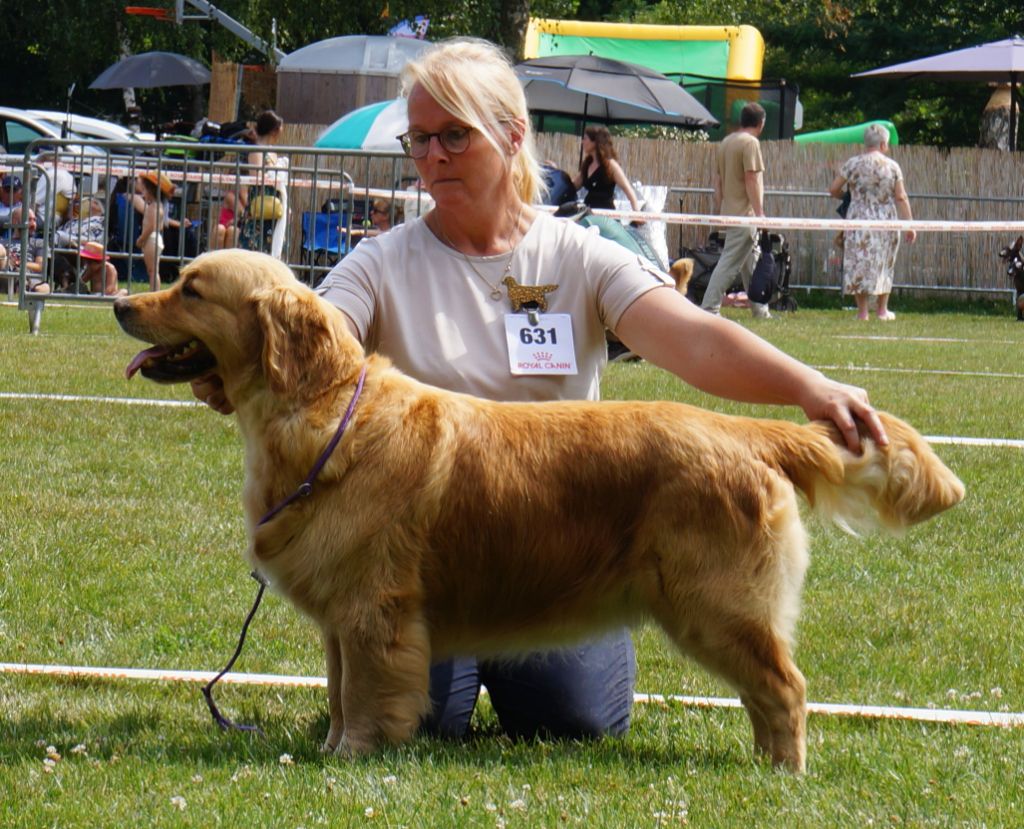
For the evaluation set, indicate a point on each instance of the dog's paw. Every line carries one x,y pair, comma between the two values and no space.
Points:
346,748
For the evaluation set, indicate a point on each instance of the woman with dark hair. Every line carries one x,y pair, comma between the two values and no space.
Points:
266,213
600,171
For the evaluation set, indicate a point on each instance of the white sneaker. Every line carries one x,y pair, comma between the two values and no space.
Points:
760,311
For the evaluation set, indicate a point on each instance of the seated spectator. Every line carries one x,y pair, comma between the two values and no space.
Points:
380,216
32,254
64,188
99,273
560,189
85,225
11,195
225,235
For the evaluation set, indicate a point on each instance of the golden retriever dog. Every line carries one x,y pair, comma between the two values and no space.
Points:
681,270
443,524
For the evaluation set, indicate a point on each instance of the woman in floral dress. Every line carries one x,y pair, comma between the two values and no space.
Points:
877,192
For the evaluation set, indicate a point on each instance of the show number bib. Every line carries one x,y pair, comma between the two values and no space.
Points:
540,344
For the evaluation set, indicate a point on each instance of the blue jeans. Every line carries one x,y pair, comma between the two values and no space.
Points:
584,691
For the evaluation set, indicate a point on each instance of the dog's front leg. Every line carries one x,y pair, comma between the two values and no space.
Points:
385,685
332,650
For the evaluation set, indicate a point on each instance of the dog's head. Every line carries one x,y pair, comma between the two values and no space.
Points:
244,316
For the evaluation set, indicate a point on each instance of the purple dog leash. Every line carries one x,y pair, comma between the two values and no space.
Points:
305,489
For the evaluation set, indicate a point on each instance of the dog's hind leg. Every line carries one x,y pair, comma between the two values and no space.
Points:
756,661
332,650
736,618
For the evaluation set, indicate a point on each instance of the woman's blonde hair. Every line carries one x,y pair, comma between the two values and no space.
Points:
875,135
474,81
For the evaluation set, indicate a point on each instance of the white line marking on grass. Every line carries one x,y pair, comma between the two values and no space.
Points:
941,371
881,338
953,440
938,715
102,305
77,398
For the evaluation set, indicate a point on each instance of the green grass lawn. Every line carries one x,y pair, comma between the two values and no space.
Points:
122,546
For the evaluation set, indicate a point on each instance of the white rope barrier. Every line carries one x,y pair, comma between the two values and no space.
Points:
1003,719
329,179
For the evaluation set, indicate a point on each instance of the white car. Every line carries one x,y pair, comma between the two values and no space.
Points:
95,128
18,129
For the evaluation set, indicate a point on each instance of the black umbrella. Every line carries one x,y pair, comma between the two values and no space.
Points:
152,69
1001,61
608,90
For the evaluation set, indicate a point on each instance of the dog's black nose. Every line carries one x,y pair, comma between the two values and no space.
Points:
122,307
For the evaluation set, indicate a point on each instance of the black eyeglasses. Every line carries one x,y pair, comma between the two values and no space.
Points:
416,143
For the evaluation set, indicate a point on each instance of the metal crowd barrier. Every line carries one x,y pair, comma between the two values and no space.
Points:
325,196
323,211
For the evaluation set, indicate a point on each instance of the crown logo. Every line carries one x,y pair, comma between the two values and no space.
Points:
542,356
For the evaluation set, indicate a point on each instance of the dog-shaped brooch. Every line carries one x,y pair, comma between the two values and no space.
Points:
520,295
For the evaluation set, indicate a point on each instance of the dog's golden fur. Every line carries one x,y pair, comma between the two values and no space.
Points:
681,271
444,524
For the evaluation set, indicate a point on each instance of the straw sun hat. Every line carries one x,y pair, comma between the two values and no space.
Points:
160,180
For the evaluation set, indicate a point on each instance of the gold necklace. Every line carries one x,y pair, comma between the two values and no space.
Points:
495,293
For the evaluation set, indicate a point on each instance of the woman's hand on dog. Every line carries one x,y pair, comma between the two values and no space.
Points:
844,405
210,389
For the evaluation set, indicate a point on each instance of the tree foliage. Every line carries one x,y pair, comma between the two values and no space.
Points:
817,44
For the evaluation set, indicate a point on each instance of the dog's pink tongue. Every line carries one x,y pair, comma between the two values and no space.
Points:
142,356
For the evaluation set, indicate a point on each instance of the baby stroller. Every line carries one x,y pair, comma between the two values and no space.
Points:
706,257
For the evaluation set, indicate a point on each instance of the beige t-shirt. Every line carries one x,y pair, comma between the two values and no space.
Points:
417,301
739,153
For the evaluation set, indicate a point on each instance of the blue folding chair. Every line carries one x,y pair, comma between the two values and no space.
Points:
121,243
324,239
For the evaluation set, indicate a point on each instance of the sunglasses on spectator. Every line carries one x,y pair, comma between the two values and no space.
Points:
416,143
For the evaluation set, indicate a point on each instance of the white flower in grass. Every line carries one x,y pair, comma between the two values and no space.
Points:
518,805
952,693
996,692
490,807
80,749
962,753
286,760
197,778
242,773
369,812
52,753
389,780
179,803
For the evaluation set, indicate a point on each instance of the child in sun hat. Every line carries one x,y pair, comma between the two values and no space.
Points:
99,272
155,189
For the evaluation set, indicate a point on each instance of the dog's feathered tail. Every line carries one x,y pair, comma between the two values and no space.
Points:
887,488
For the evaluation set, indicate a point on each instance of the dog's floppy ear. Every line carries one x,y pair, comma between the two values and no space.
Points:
299,344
